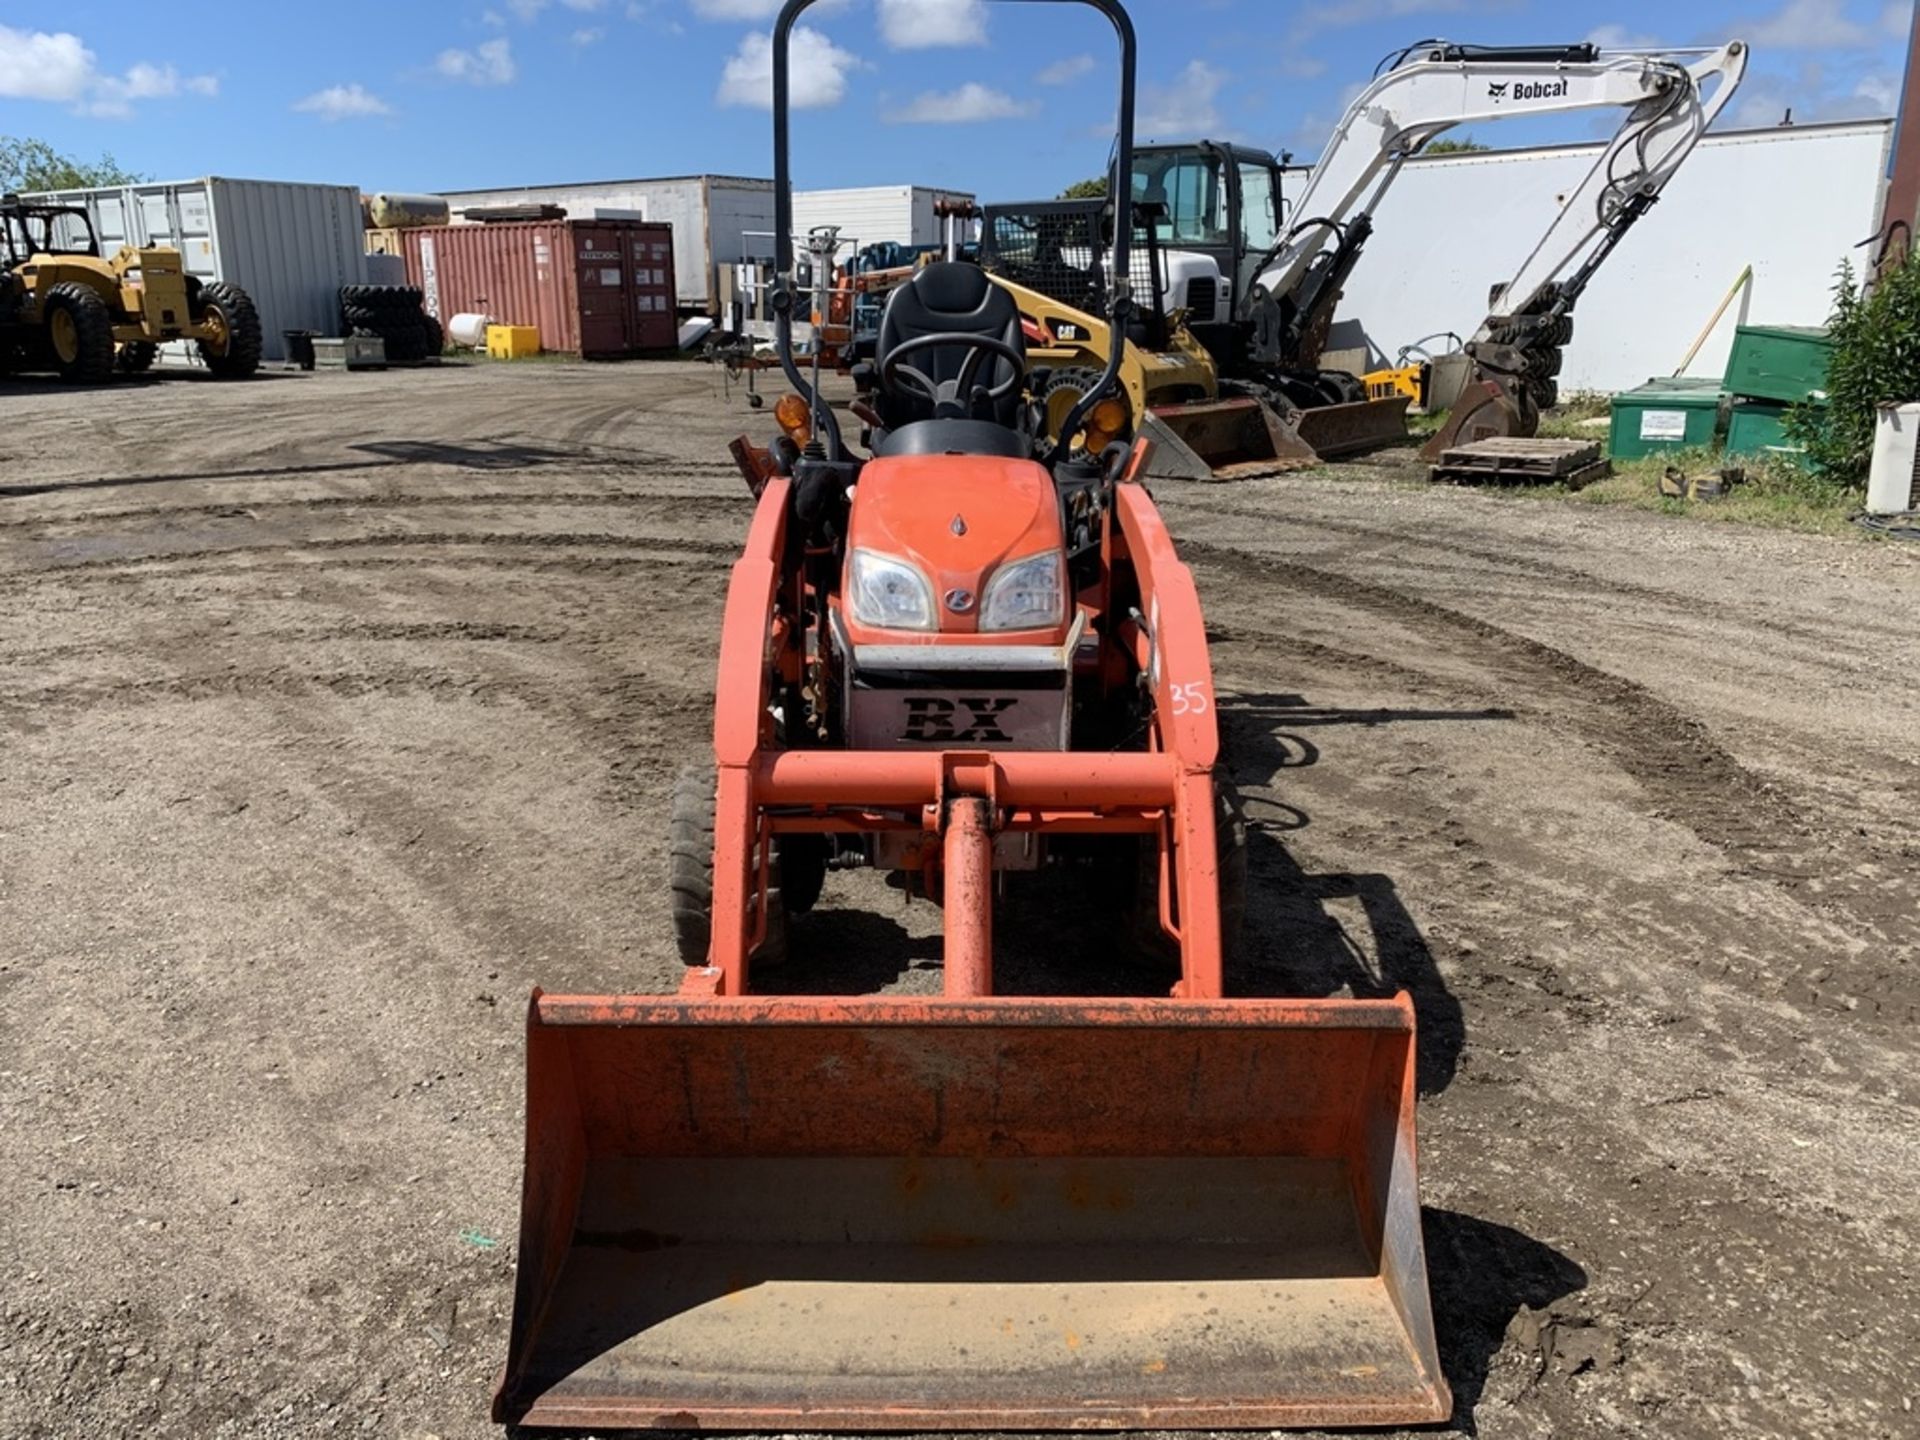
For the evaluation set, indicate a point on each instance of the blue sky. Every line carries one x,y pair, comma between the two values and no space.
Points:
1005,100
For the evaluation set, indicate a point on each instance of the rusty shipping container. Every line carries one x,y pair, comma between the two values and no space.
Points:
595,288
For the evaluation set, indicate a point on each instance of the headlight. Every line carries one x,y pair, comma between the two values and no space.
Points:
1029,594
889,594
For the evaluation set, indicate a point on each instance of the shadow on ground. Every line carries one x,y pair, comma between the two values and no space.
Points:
385,454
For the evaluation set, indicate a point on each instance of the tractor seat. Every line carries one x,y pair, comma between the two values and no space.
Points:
949,298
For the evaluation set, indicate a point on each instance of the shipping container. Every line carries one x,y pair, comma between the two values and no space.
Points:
712,217
595,288
876,214
1791,200
289,246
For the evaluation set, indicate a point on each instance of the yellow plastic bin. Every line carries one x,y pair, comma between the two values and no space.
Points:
512,342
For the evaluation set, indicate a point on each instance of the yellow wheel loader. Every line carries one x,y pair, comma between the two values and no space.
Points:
65,308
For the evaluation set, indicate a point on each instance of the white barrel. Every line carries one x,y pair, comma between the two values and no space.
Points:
469,330
408,212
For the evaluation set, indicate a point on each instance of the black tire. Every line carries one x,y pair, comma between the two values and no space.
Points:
436,337
239,355
1340,388
136,357
690,874
1546,393
79,334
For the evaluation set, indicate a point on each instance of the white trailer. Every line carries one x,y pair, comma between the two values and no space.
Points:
877,214
713,218
289,246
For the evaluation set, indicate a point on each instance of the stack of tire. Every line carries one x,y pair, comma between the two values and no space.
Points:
393,314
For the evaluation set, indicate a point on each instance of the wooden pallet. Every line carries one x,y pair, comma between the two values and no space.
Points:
1508,460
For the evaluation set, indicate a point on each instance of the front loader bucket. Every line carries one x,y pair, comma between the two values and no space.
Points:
1351,429
1235,439
908,1214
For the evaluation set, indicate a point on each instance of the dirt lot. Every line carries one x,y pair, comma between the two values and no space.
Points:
337,712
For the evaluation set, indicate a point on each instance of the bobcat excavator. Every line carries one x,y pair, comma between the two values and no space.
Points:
968,655
1263,304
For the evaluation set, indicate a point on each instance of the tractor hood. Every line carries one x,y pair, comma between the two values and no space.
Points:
956,519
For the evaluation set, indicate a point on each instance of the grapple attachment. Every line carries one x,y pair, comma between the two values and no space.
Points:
907,1214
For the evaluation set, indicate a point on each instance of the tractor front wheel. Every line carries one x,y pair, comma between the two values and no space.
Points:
80,334
690,874
232,345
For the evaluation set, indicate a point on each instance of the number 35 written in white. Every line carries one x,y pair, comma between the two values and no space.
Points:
1191,699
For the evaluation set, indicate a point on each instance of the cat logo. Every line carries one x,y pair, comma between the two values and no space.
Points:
1497,92
933,721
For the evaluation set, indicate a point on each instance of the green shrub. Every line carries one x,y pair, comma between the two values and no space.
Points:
1876,361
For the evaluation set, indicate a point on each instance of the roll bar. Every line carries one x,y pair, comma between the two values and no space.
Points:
1120,185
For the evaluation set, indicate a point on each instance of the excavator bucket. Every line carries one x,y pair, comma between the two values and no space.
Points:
1230,439
1485,410
894,1213
1337,430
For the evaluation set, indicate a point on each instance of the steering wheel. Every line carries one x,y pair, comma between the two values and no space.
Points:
957,392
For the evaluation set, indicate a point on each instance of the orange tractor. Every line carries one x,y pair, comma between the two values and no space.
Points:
972,652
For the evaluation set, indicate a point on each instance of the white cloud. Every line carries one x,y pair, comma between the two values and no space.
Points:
343,102
527,10
736,9
38,65
817,70
35,65
1313,129
1809,25
1619,37
585,7
1065,72
1186,108
589,35
971,103
930,24
488,63
1310,20
1812,97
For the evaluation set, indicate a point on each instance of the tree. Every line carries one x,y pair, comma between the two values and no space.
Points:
1092,189
27,164
1465,145
1875,362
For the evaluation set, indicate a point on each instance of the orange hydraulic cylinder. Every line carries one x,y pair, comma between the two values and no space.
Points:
968,882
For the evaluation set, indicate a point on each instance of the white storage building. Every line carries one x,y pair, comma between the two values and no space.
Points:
1792,201
289,246
876,214
716,219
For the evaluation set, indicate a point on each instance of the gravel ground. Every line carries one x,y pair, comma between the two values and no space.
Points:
337,712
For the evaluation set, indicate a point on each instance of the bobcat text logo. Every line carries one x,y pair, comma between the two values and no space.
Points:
932,721
1530,90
